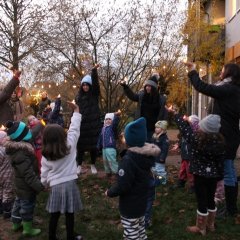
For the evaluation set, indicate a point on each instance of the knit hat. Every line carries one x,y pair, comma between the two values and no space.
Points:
87,79
161,124
152,81
3,134
194,122
18,131
210,124
109,115
136,133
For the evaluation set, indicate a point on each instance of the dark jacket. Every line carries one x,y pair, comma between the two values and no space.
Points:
91,121
43,104
138,97
26,181
133,180
185,149
206,161
6,112
55,116
108,135
227,105
163,143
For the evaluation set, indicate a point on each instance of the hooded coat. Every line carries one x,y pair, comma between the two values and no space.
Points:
91,121
26,181
133,180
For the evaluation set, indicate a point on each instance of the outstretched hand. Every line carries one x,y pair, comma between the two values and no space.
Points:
190,66
118,113
73,106
171,108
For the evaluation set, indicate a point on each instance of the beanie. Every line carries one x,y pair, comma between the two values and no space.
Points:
210,124
161,124
136,133
87,79
18,131
109,115
194,122
152,81
3,134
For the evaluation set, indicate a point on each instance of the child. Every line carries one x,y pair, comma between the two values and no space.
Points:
37,140
59,173
184,174
6,176
107,141
160,139
55,115
207,146
26,181
133,179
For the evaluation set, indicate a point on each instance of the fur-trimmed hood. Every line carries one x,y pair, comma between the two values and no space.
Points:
12,146
148,149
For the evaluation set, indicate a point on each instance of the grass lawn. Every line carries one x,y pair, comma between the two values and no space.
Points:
174,209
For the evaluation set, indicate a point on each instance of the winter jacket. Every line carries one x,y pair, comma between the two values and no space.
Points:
138,97
64,169
17,108
185,149
206,161
163,143
55,116
43,104
133,180
24,163
227,105
108,135
91,121
6,112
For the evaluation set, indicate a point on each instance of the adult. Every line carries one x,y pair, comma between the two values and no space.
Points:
45,101
87,99
16,106
226,103
151,104
6,112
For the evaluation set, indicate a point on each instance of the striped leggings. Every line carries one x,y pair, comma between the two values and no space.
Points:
134,228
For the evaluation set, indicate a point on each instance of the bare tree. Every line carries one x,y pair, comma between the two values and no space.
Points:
128,41
19,24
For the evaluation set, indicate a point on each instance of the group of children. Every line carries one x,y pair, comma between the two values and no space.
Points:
141,169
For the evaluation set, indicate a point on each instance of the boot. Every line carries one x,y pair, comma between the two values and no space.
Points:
29,231
211,220
231,194
201,223
16,226
7,208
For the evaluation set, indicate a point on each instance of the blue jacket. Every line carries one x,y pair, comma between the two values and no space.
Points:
163,143
55,116
108,135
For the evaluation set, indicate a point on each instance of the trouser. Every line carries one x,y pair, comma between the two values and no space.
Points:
93,155
150,200
133,228
205,190
69,218
23,210
184,173
110,160
230,186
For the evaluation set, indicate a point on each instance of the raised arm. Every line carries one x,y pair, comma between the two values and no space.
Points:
95,81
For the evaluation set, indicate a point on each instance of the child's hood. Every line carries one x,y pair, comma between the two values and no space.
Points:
12,147
145,155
